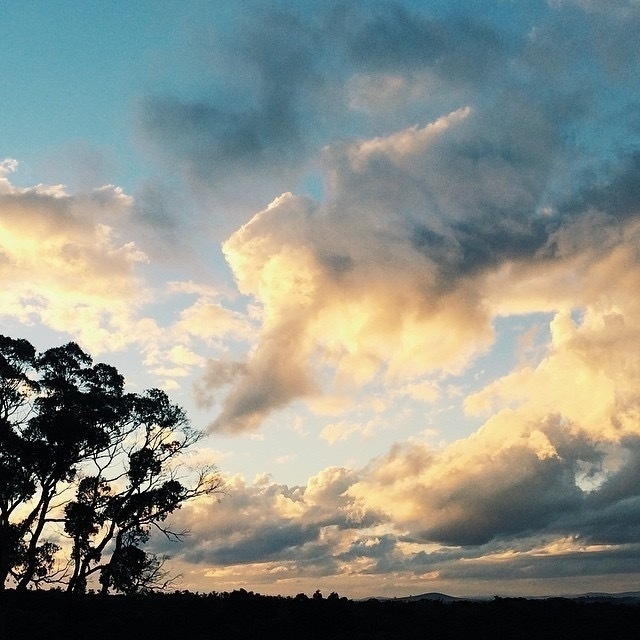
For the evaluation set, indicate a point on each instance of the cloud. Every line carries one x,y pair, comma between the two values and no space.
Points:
61,262
555,459
217,374
393,261
467,175
256,125
207,318
426,233
474,493
559,460
393,37
265,523
65,265
336,431
450,213
286,257
506,511
548,478
296,92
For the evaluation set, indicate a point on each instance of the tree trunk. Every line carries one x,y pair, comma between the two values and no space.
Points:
105,576
32,549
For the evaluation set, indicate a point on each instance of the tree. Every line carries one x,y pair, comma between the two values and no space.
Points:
148,491
78,451
17,482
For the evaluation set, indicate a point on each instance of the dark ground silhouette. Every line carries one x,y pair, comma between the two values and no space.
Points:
242,614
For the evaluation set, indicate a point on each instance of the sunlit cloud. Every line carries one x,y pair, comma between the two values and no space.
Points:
62,265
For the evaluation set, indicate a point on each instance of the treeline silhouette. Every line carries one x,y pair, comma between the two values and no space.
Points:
241,614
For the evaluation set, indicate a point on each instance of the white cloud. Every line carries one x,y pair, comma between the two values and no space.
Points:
63,266
403,146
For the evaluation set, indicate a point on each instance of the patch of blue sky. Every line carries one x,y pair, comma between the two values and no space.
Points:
71,77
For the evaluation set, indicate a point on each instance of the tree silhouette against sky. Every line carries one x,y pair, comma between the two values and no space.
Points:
87,471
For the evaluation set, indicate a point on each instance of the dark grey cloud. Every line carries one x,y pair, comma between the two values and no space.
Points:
537,100
281,539
475,199
273,523
539,491
210,141
517,564
543,498
258,128
484,195
615,523
262,544
610,515
616,193
396,38
529,567
370,547
217,374
293,99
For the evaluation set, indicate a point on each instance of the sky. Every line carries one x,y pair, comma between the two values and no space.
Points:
385,254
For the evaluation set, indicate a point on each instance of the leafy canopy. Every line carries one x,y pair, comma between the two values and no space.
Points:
87,471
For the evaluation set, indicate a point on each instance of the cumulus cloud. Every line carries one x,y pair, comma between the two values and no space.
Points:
61,262
554,460
397,270
272,524
68,261
531,495
510,512
354,267
426,233
558,460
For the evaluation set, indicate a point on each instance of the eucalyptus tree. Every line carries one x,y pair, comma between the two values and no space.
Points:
17,478
135,486
86,471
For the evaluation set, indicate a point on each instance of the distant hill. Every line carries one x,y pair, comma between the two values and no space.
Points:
442,597
628,597
433,596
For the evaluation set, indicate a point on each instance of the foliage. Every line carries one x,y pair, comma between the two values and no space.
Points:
83,460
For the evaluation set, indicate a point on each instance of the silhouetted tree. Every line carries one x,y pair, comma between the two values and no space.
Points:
136,488
133,570
17,479
67,428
